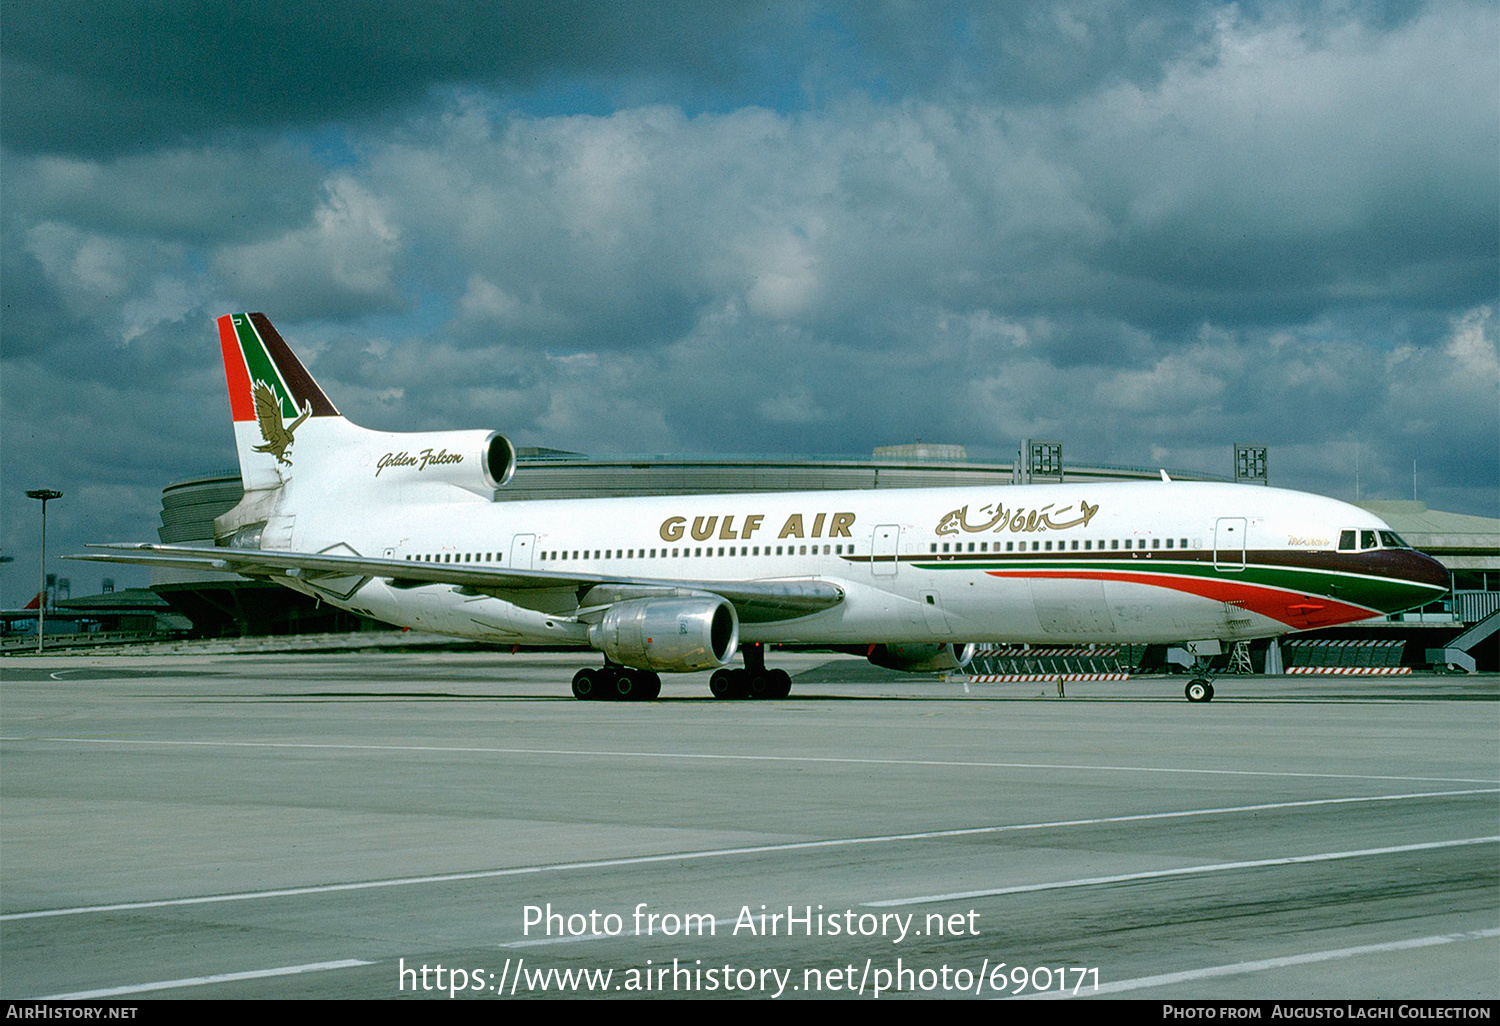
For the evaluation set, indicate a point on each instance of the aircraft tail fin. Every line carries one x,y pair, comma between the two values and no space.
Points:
270,396
282,418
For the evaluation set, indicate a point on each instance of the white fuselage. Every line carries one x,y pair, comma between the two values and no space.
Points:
1039,563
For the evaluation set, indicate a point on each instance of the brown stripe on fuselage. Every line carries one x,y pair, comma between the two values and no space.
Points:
1397,564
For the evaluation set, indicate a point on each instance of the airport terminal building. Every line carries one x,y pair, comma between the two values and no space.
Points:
226,605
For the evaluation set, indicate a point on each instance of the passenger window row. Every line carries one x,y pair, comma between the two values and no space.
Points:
556,555
1088,545
459,557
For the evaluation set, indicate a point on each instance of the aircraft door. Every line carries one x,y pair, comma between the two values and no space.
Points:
1229,543
521,547
883,548
932,609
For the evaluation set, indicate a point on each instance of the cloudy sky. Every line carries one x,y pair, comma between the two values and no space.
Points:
1149,229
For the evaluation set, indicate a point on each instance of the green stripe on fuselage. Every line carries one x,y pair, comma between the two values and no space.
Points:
1379,593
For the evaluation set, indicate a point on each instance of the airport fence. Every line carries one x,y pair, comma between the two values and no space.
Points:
1018,663
1381,657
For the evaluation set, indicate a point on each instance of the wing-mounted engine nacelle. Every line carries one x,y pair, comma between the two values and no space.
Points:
677,635
477,461
922,658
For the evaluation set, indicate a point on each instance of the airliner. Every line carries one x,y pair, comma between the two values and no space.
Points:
411,528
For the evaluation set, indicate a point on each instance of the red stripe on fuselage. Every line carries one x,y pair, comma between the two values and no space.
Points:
236,375
1293,608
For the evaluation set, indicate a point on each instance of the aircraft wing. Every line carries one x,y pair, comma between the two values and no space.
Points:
754,601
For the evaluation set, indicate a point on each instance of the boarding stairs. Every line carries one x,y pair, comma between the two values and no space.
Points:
1456,654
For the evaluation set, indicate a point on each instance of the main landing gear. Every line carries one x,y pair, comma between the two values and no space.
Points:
754,681
611,683
1199,689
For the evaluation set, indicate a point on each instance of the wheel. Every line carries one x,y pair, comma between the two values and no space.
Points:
781,684
727,683
650,686
585,685
1198,691
1210,697
626,685
759,685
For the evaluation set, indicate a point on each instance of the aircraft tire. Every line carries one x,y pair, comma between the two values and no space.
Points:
586,685
781,684
728,683
1199,691
626,686
650,686
771,684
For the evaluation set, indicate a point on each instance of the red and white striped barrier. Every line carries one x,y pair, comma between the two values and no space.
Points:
1033,653
1350,671
1023,678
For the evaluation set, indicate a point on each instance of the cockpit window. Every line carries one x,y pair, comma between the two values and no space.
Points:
1370,540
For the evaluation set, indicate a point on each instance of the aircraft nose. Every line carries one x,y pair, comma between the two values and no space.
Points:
1420,568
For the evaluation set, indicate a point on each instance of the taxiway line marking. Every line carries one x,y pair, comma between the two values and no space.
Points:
1283,962
641,860
203,981
721,757
1158,874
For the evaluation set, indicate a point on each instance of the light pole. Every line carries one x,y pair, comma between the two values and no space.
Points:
41,610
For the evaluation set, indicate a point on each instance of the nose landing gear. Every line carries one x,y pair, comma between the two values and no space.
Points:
1199,689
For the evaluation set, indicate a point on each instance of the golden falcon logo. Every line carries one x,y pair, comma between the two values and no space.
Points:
268,413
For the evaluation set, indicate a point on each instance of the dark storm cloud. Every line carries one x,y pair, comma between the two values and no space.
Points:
116,75
129,75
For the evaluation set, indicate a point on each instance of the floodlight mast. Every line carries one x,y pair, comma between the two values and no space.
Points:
43,494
